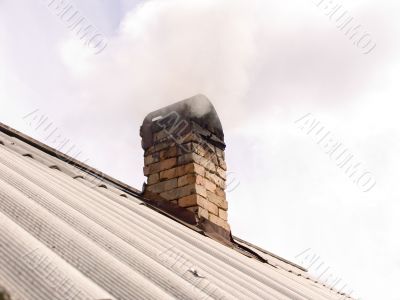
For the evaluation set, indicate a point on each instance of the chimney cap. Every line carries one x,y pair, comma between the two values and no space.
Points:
197,108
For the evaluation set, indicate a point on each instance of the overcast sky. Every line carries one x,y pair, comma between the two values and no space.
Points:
264,64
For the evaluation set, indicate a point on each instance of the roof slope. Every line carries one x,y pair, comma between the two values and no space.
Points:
65,234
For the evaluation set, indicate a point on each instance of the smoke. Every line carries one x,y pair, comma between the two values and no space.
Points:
166,51
240,54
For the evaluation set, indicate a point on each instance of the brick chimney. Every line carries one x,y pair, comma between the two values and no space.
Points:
184,159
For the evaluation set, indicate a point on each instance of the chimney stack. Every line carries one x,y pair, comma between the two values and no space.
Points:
184,159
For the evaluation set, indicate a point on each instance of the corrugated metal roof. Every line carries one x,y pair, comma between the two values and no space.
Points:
67,235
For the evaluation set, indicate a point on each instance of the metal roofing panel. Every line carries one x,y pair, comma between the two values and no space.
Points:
33,271
121,247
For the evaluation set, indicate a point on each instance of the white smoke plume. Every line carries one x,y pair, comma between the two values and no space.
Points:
166,51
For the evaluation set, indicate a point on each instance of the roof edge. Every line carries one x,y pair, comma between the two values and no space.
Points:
67,159
270,254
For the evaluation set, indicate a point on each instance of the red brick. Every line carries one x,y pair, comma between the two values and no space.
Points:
221,173
203,213
217,200
220,192
161,166
216,179
220,153
158,136
163,186
222,164
190,179
152,158
220,222
223,214
195,158
168,153
184,191
210,186
154,178
207,205
193,168
169,174
188,201
146,171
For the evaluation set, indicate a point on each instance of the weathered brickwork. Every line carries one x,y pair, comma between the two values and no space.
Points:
186,165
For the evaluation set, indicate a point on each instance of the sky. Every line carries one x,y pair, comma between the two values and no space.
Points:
265,65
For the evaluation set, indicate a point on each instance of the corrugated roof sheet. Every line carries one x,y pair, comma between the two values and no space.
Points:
67,235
